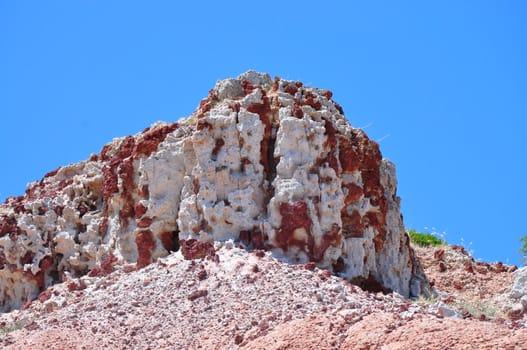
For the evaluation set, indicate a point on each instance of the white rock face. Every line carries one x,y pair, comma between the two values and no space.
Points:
271,164
519,287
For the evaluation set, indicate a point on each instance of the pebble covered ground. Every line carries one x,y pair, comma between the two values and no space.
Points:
239,299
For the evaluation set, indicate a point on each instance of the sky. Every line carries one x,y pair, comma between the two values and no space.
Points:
441,85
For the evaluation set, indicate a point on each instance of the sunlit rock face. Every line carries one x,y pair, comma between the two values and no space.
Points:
271,164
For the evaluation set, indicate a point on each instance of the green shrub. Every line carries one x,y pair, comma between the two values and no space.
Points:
15,326
425,239
482,307
523,249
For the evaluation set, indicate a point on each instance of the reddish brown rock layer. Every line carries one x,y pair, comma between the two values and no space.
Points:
194,249
145,244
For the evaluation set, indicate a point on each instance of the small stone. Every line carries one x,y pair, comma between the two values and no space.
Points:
523,301
238,339
458,285
439,254
197,294
445,310
469,268
202,275
516,312
50,306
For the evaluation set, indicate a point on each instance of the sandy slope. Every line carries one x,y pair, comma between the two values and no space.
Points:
241,299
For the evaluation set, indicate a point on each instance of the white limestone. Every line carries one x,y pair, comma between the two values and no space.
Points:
207,180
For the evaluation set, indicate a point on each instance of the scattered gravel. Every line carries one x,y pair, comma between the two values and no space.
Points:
239,299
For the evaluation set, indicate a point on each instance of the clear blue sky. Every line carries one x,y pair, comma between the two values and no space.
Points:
441,84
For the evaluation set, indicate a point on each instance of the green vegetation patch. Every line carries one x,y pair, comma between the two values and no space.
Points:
425,239
523,250
481,308
14,326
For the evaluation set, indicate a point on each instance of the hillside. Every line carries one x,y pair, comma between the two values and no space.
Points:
249,300
264,220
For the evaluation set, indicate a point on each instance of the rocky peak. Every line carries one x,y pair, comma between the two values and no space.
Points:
270,164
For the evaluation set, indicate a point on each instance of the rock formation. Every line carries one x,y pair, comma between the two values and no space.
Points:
273,165
519,287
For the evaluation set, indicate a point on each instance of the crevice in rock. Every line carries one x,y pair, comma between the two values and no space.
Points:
253,239
170,241
271,172
370,284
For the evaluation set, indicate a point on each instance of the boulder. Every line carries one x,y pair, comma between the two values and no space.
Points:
270,164
519,287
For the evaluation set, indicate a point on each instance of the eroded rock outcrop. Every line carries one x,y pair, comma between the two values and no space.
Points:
272,164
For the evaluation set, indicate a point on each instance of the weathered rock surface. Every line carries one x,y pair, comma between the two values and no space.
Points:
519,288
237,299
271,164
